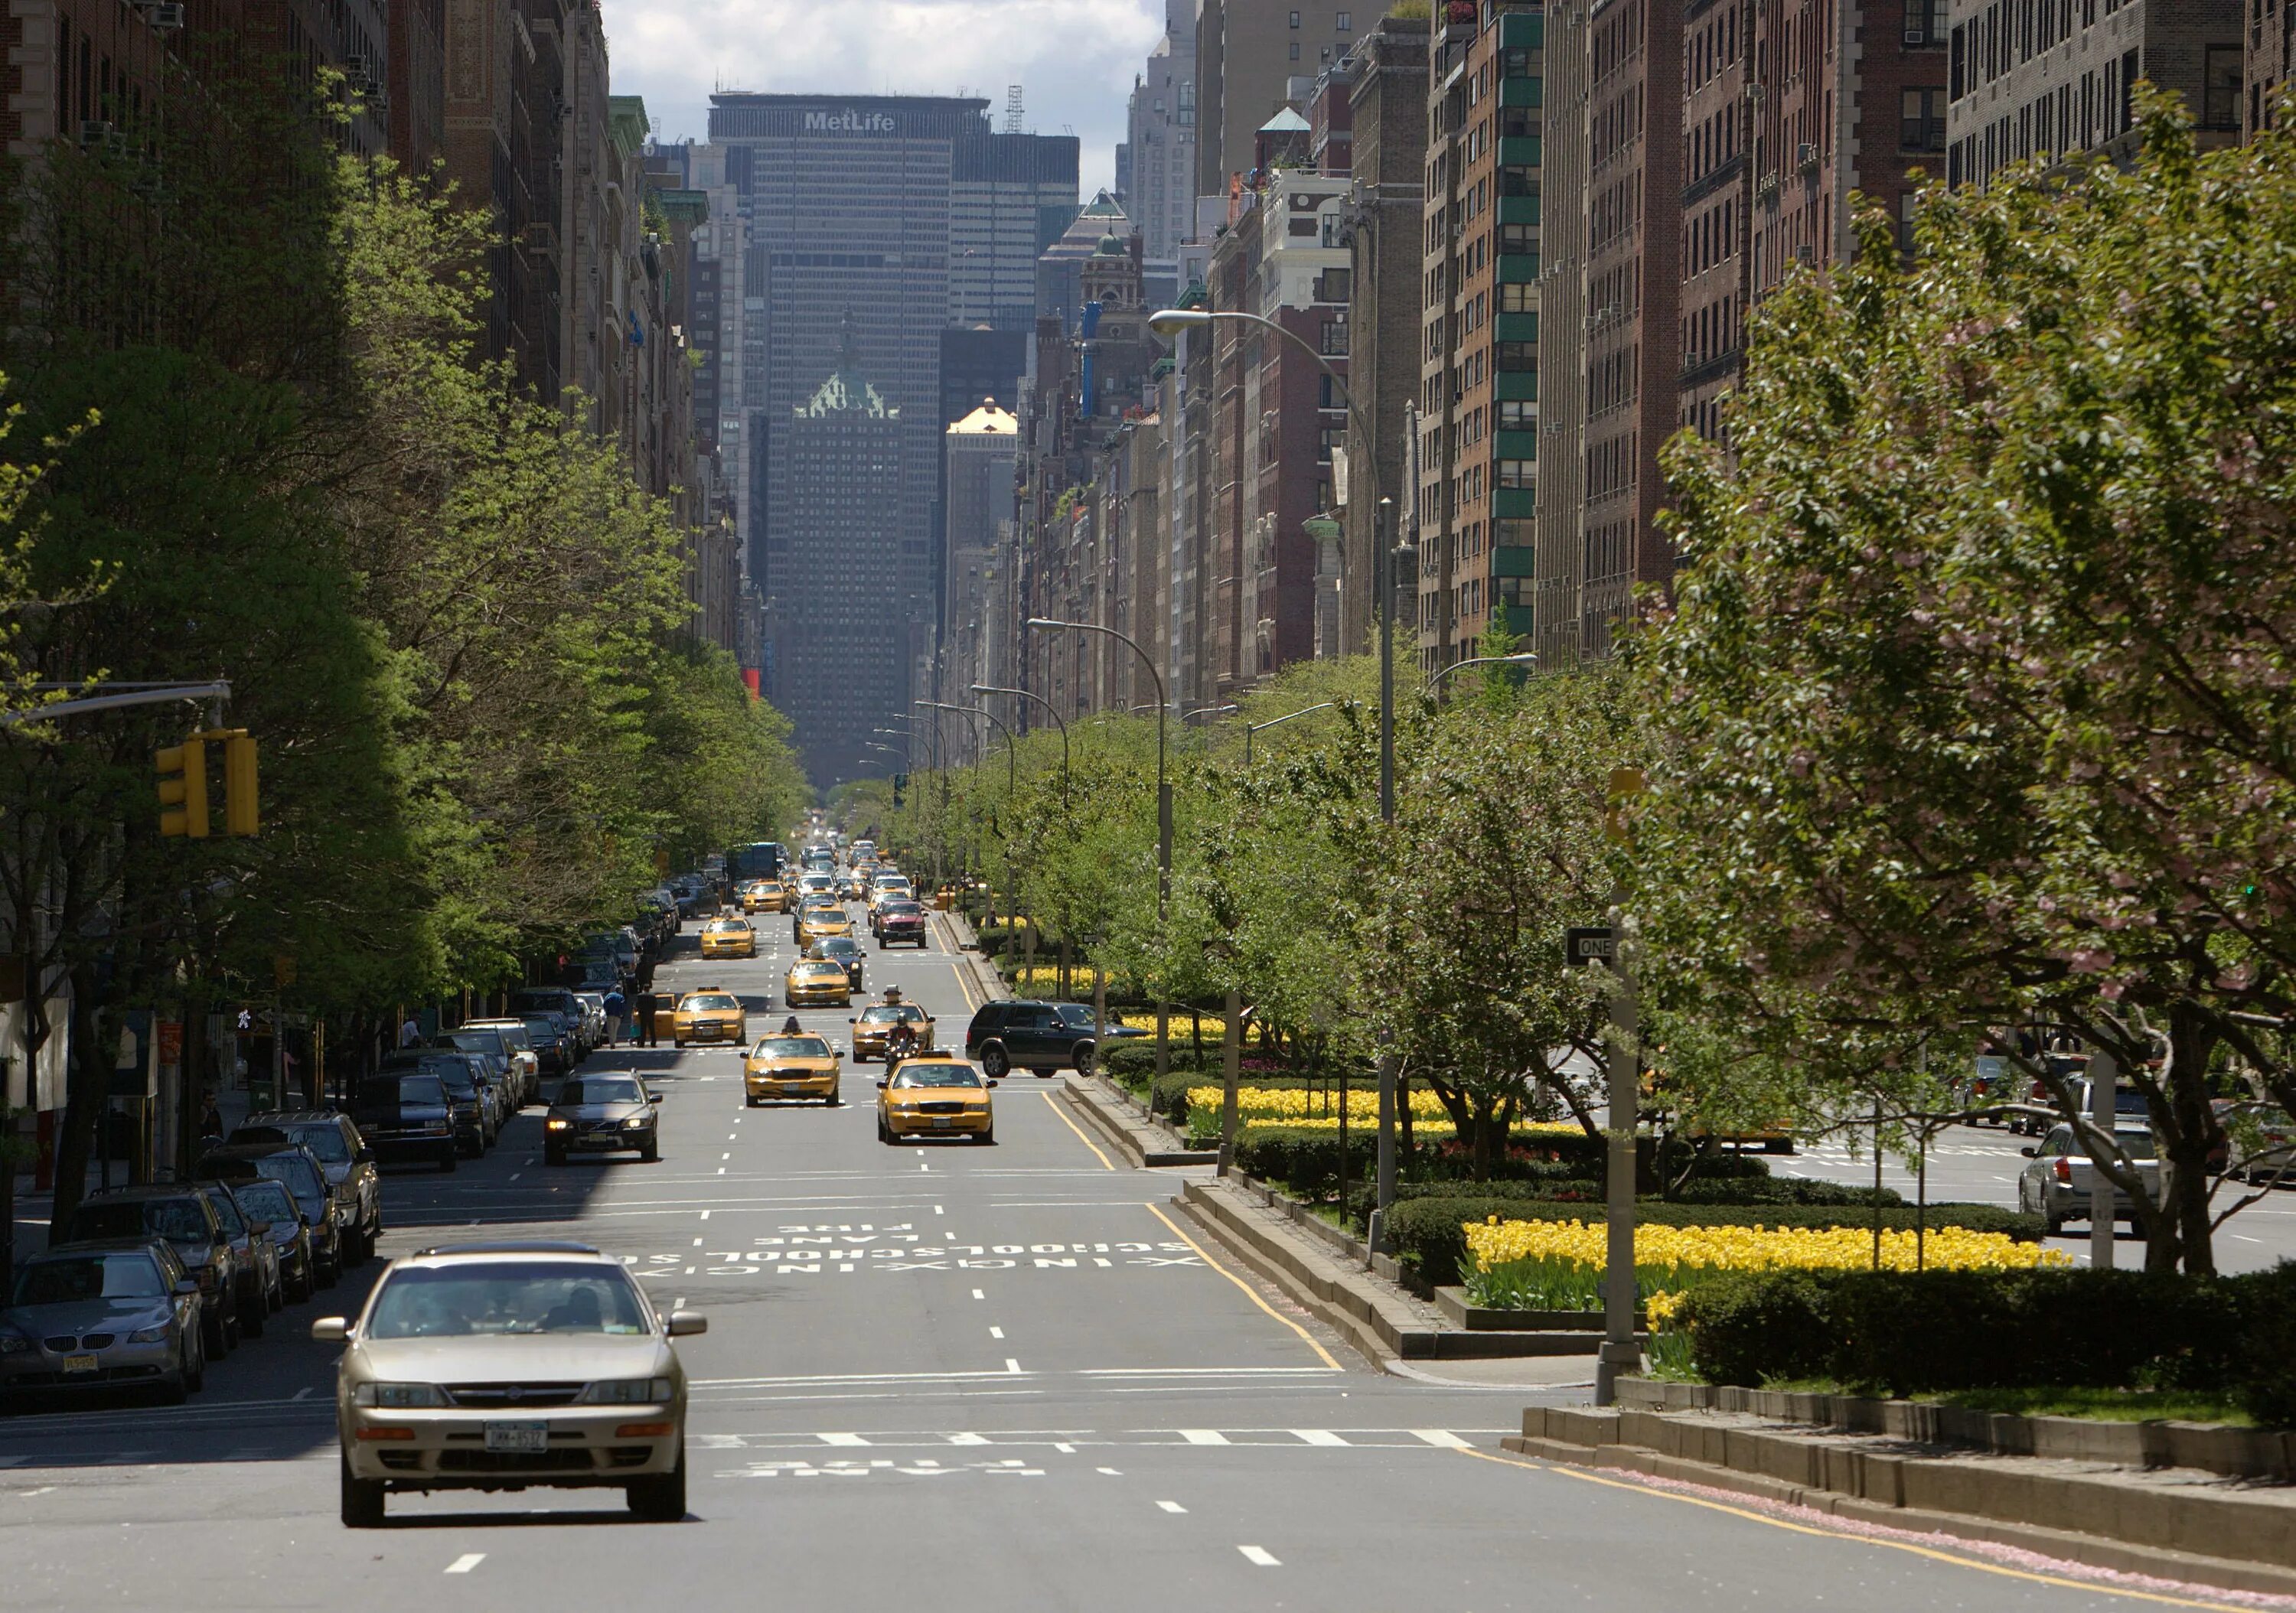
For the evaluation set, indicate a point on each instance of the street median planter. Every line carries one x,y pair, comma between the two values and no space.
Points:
1460,1312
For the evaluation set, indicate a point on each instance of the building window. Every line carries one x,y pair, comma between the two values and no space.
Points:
1922,120
1516,238
1518,474
1333,337
1516,357
1295,18
1295,46
1330,437
1343,22
1515,414
1924,21
2221,91
1515,298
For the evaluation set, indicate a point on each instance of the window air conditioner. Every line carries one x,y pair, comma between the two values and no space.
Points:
1915,35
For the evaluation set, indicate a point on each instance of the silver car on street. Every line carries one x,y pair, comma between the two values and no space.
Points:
498,1366
120,1313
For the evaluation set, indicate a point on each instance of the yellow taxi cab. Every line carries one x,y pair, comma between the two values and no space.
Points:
711,1014
856,880
817,982
819,923
729,937
762,896
791,1067
935,1097
875,1022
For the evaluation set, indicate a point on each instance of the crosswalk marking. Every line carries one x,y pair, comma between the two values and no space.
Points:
1318,1437
1203,1436
841,1439
1441,1438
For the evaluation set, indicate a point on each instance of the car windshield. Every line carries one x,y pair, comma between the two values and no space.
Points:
504,1297
265,1200
886,1013
453,1073
403,1092
792,1047
324,1138
67,1279
295,1173
702,1002
475,1041
902,910
927,1073
837,946
601,1089
2136,1145
179,1220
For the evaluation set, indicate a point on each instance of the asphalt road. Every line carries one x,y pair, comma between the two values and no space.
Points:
937,1376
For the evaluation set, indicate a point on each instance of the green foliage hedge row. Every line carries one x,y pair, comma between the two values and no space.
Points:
1910,1332
1429,1235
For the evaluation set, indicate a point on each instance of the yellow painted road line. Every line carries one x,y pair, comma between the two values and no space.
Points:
1250,1292
2059,1582
1070,1121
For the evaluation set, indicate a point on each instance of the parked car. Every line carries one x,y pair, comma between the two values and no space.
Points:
553,1035
502,1365
254,1257
262,1200
593,1015
473,1121
2260,1145
601,1114
407,1116
2056,1185
560,1000
345,1158
104,1315
1021,1033
270,1158
513,1038
184,1217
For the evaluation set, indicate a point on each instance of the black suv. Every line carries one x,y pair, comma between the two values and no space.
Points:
348,1164
1040,1036
185,1218
407,1116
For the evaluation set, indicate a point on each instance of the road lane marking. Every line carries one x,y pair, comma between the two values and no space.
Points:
1013,1365
705,1215
842,1439
1258,1557
697,1243
2095,1587
301,1394
968,1440
977,1294
1171,1506
1442,1437
1112,1473
996,1332
1073,1126
466,1563
1203,1436
939,1211
1316,1437
1307,1338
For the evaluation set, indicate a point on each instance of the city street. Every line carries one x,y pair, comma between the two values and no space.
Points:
945,1376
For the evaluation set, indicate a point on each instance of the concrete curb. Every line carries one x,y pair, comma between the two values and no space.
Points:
964,944
1144,1141
2127,1522
1376,1317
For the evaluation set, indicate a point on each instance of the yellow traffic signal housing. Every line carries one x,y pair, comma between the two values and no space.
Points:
242,815
182,789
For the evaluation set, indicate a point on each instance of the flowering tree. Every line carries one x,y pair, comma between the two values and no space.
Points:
1973,707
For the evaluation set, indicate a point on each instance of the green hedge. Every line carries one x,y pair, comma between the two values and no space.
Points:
1911,1333
1429,1234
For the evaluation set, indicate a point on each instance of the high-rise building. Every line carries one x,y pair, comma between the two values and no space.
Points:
1158,186
1247,53
414,83
979,451
2060,76
910,214
844,669
2267,66
1559,552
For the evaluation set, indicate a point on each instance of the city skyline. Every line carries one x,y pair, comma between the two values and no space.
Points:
1075,60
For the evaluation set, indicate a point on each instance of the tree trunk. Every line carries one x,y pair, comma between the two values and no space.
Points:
87,1093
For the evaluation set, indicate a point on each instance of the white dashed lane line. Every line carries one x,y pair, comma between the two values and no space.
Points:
1169,1506
1259,1557
466,1563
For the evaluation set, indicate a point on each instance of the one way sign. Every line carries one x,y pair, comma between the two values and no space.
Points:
1597,945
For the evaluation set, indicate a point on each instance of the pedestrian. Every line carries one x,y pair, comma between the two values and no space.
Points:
617,1005
211,1116
410,1035
649,1005
790,1027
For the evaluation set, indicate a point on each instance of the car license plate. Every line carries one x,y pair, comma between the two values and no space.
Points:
941,1123
518,1436
79,1363
792,1089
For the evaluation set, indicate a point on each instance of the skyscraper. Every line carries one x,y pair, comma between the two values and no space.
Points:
843,667
910,213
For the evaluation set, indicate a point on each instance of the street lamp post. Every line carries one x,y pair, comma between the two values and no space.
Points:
1051,710
1163,816
1376,1236
1251,728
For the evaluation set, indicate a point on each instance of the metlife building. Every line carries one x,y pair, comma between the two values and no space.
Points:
911,214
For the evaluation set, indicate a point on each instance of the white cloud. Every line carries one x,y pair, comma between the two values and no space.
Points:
1075,59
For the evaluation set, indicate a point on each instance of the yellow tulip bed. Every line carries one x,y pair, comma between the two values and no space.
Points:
1559,1264
1297,1105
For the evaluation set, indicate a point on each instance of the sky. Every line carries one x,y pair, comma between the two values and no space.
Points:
1075,60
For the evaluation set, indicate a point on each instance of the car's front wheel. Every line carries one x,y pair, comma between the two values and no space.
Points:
1081,1056
995,1063
660,1498
363,1503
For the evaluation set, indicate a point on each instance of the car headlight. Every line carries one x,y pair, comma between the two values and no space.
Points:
157,1333
628,1391
398,1396
13,1344
556,1125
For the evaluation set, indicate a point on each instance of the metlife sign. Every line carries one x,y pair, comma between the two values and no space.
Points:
848,123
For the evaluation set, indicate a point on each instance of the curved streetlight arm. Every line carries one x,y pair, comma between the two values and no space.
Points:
1051,711
1168,322
1524,659
1251,728
1012,766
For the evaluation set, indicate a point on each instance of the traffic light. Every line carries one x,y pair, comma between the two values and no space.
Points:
241,813
182,789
